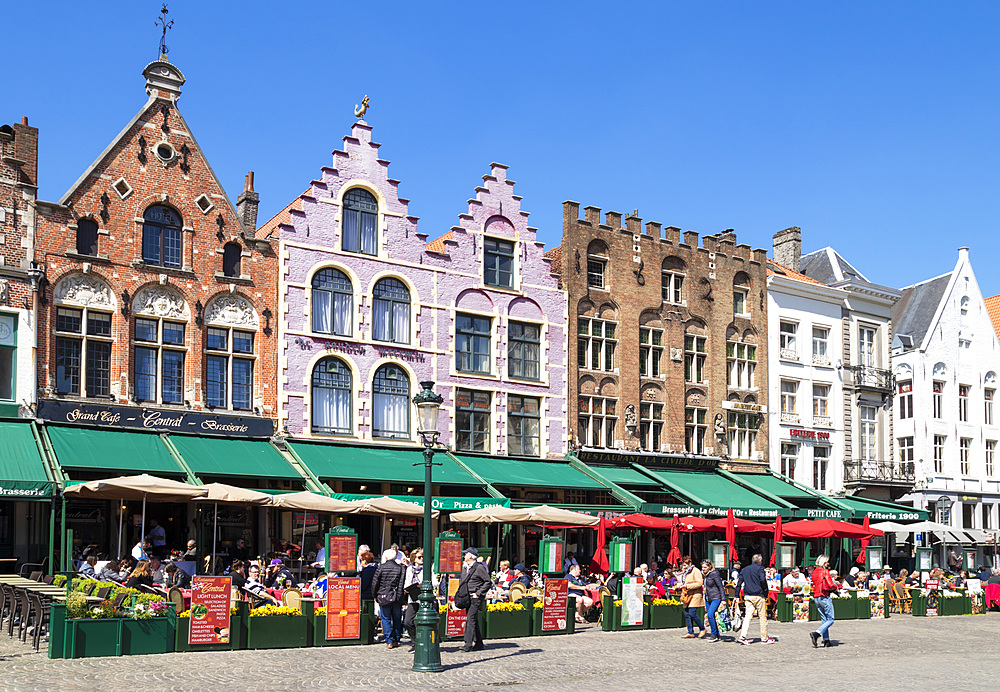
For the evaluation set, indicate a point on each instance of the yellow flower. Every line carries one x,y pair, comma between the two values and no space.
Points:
184,614
270,610
320,610
443,609
539,605
665,601
503,607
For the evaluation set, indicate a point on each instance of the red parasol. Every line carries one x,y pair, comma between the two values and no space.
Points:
864,542
731,535
674,557
599,563
777,540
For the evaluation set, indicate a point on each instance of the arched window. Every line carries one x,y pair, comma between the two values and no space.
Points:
360,229
161,236
232,253
391,403
391,313
332,302
331,397
86,237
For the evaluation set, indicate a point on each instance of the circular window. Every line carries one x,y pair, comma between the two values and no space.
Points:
164,152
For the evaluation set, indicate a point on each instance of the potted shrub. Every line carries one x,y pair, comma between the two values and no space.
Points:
665,613
536,619
237,631
277,627
507,620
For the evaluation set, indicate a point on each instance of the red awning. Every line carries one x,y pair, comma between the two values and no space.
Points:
826,528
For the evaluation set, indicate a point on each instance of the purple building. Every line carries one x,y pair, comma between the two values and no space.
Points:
370,309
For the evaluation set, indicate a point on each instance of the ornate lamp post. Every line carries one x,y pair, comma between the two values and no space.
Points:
427,651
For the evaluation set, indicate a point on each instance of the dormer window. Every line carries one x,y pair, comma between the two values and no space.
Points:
498,267
360,224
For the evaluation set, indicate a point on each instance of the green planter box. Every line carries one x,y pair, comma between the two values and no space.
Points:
442,624
783,608
153,636
367,629
919,604
237,636
951,606
612,619
536,622
85,638
864,609
845,608
278,632
666,617
507,625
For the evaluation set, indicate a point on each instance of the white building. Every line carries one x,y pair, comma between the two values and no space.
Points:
946,356
806,387
859,375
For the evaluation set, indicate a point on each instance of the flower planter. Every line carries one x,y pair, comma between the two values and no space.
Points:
951,606
367,628
918,603
864,608
507,624
442,627
86,638
277,632
536,622
237,636
612,619
783,608
666,616
152,636
845,608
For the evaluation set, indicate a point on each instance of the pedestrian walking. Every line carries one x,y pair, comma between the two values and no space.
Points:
695,598
753,579
388,587
714,592
473,586
823,586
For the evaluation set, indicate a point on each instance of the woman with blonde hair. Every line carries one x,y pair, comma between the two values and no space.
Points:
142,575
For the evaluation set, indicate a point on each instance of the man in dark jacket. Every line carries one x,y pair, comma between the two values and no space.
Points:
753,579
474,584
387,586
714,593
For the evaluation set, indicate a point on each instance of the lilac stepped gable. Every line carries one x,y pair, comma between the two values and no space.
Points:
370,309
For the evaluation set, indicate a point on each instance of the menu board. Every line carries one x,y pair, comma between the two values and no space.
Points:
454,625
343,608
632,593
551,561
621,556
341,553
449,556
932,597
923,560
210,603
554,600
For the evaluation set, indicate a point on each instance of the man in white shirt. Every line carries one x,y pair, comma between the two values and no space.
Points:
140,551
794,578
157,536
320,561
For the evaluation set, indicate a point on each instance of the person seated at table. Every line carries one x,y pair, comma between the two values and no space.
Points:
837,581
88,568
111,572
318,585
578,587
734,574
795,580
174,576
863,581
368,567
886,573
191,554
995,577
156,570
960,580
141,550
654,567
521,575
255,588
142,575
505,576
238,573
654,587
319,562
773,579
569,562
240,551
278,576
851,577
906,579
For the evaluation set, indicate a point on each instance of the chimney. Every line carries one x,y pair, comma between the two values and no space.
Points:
246,205
26,152
788,247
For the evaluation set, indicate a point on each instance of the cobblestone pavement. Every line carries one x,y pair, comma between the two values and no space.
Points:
901,653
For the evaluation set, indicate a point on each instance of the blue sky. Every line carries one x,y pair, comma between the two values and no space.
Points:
872,126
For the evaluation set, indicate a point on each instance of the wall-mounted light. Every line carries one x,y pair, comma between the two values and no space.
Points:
267,321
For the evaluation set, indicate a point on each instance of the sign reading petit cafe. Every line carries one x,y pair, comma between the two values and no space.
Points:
154,419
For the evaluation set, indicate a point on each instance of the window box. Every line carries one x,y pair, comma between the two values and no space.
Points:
612,620
536,619
237,633
507,624
666,616
277,632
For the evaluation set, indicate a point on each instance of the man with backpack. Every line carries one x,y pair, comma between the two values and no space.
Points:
473,586
387,585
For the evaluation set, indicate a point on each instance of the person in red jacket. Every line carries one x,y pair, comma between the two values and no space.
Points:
823,586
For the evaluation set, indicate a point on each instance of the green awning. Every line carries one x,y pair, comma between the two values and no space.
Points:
22,471
625,476
876,510
776,486
220,456
809,504
456,504
537,474
113,451
712,494
388,464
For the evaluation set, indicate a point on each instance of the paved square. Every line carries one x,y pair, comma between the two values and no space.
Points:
903,653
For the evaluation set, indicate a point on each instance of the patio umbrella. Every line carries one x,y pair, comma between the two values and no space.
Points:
310,502
388,506
731,535
777,539
230,494
542,514
674,556
137,488
864,542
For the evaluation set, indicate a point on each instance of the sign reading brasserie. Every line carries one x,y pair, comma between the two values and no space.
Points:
650,459
154,419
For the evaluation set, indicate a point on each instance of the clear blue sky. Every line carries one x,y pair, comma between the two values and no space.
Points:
871,125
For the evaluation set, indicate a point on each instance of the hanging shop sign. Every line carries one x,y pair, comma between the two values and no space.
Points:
554,603
210,609
712,511
457,504
342,550
343,608
448,552
165,420
743,407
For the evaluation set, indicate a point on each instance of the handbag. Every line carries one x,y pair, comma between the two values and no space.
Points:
735,618
685,596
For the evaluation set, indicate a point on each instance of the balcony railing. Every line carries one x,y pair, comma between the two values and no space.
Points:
867,377
876,471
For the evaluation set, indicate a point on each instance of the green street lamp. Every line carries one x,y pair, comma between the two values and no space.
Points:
427,648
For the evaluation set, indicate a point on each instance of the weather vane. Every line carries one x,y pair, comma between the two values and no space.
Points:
161,21
359,111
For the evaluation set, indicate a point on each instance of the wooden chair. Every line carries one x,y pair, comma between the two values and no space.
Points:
517,591
534,592
292,598
176,596
601,594
898,599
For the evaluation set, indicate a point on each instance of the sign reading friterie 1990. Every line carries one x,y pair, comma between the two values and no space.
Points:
210,604
168,420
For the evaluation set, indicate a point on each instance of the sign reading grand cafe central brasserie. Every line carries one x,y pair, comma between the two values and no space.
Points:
154,419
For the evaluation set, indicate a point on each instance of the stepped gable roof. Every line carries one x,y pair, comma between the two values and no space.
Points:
440,245
913,314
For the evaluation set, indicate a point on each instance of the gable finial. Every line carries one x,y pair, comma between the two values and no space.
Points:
359,111
161,21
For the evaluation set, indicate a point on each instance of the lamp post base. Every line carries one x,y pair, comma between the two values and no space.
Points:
427,648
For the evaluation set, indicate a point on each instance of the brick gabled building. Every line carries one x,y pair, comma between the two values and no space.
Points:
671,338
156,291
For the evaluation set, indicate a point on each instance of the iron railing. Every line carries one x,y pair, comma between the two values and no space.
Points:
867,377
877,471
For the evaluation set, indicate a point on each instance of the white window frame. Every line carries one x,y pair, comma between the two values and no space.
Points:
789,401
740,370
820,345
695,359
788,342
650,426
650,352
605,345
695,429
672,287
939,444
607,422
964,450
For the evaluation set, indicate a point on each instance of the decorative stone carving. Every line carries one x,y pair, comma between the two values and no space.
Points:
630,416
232,310
84,290
161,301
